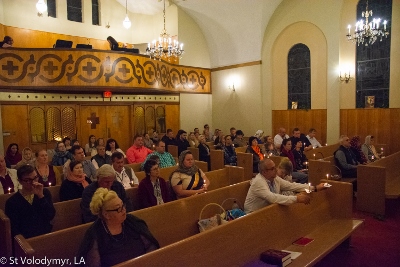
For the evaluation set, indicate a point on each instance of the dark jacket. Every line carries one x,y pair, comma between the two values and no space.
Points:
146,193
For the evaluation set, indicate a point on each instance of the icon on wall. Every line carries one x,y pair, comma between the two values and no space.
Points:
294,104
369,101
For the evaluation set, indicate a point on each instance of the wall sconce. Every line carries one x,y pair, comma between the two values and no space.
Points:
233,87
346,78
41,7
108,25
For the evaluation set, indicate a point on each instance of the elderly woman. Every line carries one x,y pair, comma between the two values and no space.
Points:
115,236
369,150
255,150
12,155
355,146
30,209
153,189
61,156
259,134
76,180
188,180
48,175
27,158
8,178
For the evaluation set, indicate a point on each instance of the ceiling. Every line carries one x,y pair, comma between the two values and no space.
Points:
233,29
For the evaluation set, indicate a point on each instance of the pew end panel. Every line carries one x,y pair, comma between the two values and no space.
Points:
235,174
218,178
5,235
322,152
132,195
22,248
245,160
241,149
317,170
195,152
55,193
173,150
68,214
202,165
216,159
371,184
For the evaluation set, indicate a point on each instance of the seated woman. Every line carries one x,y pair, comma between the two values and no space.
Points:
61,156
369,150
193,142
221,143
204,151
74,183
299,157
27,158
115,236
153,189
255,150
147,142
188,180
12,155
8,178
112,146
270,148
90,146
285,170
67,142
48,175
298,175
30,209
355,146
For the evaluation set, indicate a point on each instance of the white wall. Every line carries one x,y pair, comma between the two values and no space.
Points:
1,12
195,111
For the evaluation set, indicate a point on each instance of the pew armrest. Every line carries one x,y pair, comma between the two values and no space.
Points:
22,248
5,235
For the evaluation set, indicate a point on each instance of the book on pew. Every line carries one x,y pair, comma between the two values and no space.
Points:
303,241
276,257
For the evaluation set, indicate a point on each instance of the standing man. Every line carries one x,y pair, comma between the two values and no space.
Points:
79,155
279,137
30,209
105,177
181,141
311,137
266,188
166,159
137,153
168,139
124,174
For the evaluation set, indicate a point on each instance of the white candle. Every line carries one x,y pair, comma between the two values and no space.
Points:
326,144
49,184
349,28
314,156
9,190
327,176
384,24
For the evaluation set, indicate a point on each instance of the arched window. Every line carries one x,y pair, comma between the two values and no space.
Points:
299,77
373,61
74,10
51,8
95,12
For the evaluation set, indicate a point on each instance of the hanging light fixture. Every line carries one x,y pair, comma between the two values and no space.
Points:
127,23
41,7
165,47
367,33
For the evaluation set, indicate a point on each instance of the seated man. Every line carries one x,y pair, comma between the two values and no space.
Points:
266,188
230,157
279,137
345,158
101,157
30,209
124,174
79,155
105,177
311,137
239,141
166,159
298,136
137,153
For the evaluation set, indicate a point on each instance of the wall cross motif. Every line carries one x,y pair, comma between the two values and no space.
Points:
93,120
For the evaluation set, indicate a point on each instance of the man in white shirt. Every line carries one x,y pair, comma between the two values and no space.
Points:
125,175
311,137
279,137
266,188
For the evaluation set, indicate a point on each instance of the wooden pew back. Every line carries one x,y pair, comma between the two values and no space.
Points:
5,235
195,152
216,159
68,214
134,166
330,212
173,150
322,152
241,149
181,217
245,160
225,177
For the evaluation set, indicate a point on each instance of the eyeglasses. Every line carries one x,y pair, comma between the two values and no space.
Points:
271,169
120,209
29,180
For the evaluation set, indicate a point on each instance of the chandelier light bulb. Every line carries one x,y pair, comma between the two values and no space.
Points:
41,6
127,23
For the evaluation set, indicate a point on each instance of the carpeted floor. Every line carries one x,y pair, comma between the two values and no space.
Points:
375,243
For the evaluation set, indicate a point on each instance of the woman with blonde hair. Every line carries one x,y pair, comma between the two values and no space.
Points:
369,150
27,158
48,175
115,236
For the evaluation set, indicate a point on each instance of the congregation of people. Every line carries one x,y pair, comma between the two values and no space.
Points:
98,174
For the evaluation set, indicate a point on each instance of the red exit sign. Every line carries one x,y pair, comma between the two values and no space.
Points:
107,94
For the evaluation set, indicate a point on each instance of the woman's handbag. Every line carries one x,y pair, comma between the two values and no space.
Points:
214,221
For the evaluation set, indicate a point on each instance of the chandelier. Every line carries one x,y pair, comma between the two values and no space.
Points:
165,48
368,32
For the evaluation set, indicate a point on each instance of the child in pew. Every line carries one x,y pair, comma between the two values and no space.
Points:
30,209
115,236
153,190
266,187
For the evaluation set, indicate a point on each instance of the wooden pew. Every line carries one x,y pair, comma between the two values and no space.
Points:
5,235
245,160
328,220
225,177
376,182
134,166
195,152
68,214
216,159
181,215
322,152
241,149
173,150
318,169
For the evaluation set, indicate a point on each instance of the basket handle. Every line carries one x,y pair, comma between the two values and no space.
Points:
210,204
340,172
232,198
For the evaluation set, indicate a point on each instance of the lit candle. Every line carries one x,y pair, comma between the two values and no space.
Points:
309,187
327,176
348,27
181,46
49,184
9,190
304,144
326,144
384,24
372,157
314,156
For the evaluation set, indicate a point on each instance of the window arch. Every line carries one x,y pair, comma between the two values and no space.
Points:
95,12
74,10
299,77
373,61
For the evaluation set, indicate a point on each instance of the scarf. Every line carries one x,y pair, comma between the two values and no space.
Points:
79,179
258,151
182,168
